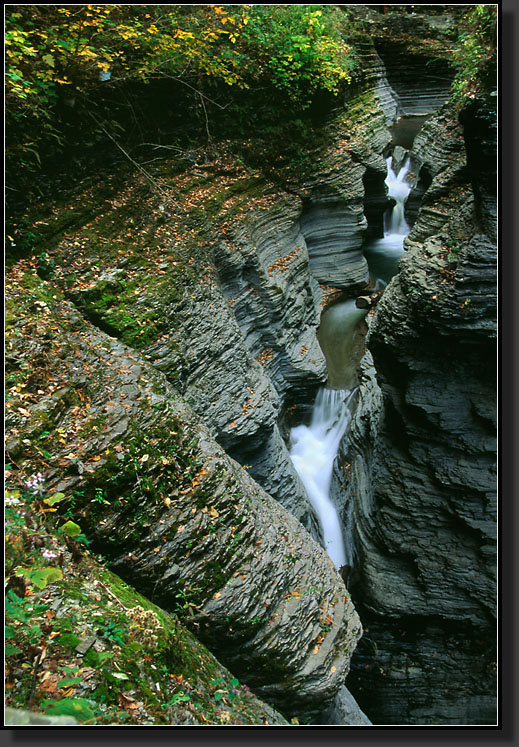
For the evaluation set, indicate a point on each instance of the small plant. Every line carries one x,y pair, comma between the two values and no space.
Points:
99,496
19,614
326,624
185,597
145,626
228,690
111,632
412,291
45,266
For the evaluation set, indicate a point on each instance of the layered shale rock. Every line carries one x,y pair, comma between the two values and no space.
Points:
421,461
263,272
178,518
416,50
439,163
345,191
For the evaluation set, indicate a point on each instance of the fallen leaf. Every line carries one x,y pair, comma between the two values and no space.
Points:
125,701
49,686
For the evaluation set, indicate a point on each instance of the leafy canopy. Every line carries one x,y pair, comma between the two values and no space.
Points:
475,59
57,54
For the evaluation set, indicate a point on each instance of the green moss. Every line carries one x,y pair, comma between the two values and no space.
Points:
122,307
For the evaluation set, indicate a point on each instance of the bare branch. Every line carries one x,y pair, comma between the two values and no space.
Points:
143,171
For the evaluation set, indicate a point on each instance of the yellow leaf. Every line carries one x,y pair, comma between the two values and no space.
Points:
333,669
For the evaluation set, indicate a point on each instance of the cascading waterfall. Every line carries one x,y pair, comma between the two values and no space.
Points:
313,451
313,448
383,254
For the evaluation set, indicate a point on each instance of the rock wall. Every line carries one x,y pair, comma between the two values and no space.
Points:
421,456
416,51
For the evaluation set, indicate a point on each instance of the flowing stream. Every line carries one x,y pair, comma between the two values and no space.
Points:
313,448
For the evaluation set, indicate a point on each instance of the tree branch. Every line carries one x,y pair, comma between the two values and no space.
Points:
143,171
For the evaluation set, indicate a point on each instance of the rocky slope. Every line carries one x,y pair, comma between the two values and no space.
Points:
107,655
421,453
185,521
233,337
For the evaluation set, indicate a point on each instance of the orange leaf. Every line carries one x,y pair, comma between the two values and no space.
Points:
49,686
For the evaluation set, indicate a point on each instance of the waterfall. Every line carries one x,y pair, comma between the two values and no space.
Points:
313,450
383,254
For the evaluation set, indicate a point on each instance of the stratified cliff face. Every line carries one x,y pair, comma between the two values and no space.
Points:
422,452
220,309
219,301
176,516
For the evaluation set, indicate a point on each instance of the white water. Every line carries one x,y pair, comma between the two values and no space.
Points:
313,451
313,448
383,254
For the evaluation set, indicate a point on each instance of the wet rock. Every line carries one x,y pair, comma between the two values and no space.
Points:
334,233
398,157
420,461
263,269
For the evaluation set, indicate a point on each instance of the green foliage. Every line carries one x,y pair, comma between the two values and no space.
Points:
71,529
297,48
19,615
111,631
80,708
61,59
475,59
40,577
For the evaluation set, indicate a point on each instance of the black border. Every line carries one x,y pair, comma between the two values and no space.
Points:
507,732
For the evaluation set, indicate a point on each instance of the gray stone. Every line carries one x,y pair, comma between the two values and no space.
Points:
420,459
344,711
19,717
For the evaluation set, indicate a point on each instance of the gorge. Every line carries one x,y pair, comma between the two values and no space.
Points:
300,490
